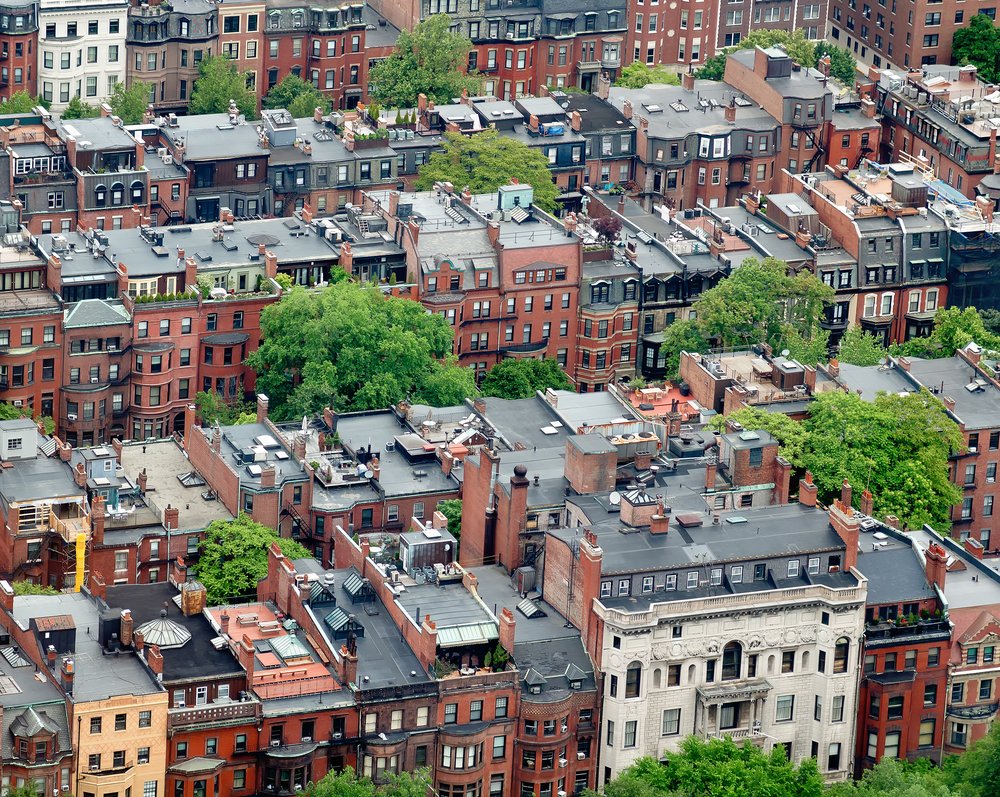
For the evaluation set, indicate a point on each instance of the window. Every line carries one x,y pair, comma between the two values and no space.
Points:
957,692
985,690
959,734
671,723
121,720
788,661
95,724
631,727
841,653
785,708
895,707
837,709
501,708
930,695
145,719
451,714
933,657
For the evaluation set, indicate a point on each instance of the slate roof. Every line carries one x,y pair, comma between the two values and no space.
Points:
95,313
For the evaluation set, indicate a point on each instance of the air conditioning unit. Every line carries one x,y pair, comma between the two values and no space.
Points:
161,151
564,728
18,403
276,743
581,755
336,735
94,380
71,416
95,768
561,793
112,347
563,762
307,738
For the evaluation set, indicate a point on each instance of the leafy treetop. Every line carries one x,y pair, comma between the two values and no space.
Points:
518,379
78,109
233,557
978,43
347,784
431,59
487,160
129,102
638,75
219,81
297,97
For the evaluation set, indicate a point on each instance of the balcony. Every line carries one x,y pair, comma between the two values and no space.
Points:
233,711
981,712
590,65
69,528
888,633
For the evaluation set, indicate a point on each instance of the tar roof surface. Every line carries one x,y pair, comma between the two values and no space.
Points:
41,478
203,140
522,420
768,531
449,606
164,462
894,573
384,657
874,379
596,114
98,677
977,410
968,582
196,658
240,438
101,133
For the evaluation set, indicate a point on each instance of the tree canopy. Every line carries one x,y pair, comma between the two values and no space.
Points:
351,347
638,75
858,347
790,434
978,43
347,784
452,509
219,81
799,48
8,412
487,160
896,446
431,59
843,65
129,103
213,409
78,109
233,557
297,97
19,102
683,335
31,588
954,329
517,379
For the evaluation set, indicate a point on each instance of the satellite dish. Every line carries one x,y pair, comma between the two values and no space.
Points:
785,352
369,473
615,498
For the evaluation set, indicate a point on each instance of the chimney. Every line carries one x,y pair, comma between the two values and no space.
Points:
299,446
127,626
51,656
80,475
687,81
627,109
533,123
810,378
171,518
270,264
414,227
570,223
974,547
143,480
493,232
479,405
892,521
97,520
7,596
936,565
65,452
348,666
393,203
949,403
973,354
262,402
346,260
194,598
848,529
224,622
731,113
421,104
267,475
643,459
190,272
576,121
867,504
507,625
138,641
807,490
155,661
68,671
604,86
868,108
660,522
217,438
711,470
447,461
190,419
846,493
833,367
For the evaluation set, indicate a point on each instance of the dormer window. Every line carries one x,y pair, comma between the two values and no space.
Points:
576,684
535,690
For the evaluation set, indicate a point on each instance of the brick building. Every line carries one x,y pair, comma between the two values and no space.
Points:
19,40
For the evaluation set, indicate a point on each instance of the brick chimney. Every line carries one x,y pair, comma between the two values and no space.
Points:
807,490
348,666
52,657
80,475
138,641
171,518
128,624
7,596
687,81
493,232
155,661
833,367
639,513
936,564
711,471
867,504
262,404
427,652
974,547
846,493
949,403
627,109
97,520
660,522
270,264
267,475
190,271
143,480
604,86
224,622
299,446
533,123
346,260
576,121
68,672
65,451
507,624
848,529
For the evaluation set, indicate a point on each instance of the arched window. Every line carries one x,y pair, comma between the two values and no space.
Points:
657,677
805,661
841,653
137,189
732,661
633,679
101,195
117,193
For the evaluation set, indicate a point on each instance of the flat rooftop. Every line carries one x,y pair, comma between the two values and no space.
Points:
978,408
98,677
165,464
461,619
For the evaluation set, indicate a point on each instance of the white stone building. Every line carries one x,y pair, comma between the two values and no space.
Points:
81,50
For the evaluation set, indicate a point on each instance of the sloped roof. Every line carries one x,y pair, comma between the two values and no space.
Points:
95,313
30,723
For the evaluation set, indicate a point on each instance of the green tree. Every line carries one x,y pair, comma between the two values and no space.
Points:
347,784
896,446
638,75
129,103
297,97
351,345
799,48
233,557
976,772
893,778
78,109
681,336
790,434
27,790
431,59
518,379
978,43
954,329
452,509
761,302
19,102
212,409
31,588
806,351
858,347
991,320
8,412
843,66
487,160
219,81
